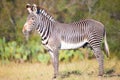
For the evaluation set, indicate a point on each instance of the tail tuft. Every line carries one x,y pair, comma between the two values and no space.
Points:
106,46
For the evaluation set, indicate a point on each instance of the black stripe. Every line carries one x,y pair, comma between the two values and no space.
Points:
44,32
38,27
41,30
45,43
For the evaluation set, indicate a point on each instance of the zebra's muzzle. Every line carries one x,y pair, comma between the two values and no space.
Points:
26,34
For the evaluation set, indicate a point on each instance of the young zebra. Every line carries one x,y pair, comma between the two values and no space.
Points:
56,35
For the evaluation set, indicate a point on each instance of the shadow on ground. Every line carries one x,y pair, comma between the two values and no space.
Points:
68,73
109,73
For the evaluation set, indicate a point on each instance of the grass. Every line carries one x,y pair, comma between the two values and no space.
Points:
82,70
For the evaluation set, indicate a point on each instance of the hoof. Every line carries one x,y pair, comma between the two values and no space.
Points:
100,74
54,78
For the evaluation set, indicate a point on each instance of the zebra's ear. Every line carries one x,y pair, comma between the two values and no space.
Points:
34,8
28,6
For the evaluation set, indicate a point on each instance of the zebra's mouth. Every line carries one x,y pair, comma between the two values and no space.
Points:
26,35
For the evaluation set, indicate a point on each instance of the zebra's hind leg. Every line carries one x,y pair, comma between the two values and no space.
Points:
100,58
54,55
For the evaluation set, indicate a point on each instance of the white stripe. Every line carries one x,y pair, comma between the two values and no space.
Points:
65,45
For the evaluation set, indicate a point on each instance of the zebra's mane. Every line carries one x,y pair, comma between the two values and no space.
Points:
44,12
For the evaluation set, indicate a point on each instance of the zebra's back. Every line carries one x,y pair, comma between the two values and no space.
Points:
78,31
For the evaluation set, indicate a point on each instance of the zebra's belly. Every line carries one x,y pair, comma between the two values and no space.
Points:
65,45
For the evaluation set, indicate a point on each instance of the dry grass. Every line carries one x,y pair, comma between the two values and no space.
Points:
82,70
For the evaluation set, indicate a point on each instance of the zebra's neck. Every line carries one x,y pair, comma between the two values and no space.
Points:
44,29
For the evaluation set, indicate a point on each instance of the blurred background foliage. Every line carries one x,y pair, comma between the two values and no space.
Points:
13,46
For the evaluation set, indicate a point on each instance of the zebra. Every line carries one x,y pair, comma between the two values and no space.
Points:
56,35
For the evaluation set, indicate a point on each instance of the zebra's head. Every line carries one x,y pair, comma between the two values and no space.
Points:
31,22
35,18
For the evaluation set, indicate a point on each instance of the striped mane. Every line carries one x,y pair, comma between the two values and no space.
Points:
44,12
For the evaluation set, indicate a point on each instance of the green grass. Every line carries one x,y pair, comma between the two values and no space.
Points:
82,70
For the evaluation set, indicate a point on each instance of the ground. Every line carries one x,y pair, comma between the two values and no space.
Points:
82,70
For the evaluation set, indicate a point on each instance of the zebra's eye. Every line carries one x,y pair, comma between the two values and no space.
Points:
32,18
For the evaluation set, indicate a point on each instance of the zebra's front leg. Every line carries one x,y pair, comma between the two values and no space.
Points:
100,58
55,62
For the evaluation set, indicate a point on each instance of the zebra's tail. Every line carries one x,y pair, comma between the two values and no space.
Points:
106,47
